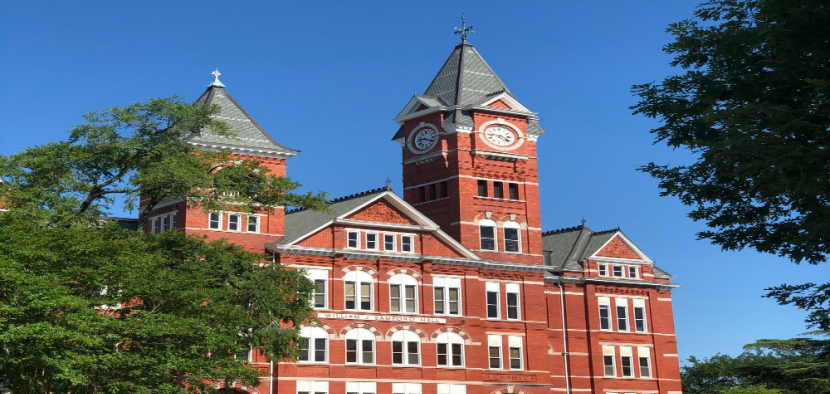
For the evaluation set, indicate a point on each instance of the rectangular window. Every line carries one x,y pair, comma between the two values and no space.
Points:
406,388
603,269
371,241
626,366
350,295
639,315
488,237
492,300
216,221
513,188
482,188
622,314
618,271
608,361
406,243
162,223
233,222
604,313
153,226
320,278
354,240
360,388
402,298
515,352
365,296
645,361
360,351
312,387
452,389
632,272
433,192
173,221
494,350
389,242
445,192
498,190
512,292
511,239
447,292
422,194
253,224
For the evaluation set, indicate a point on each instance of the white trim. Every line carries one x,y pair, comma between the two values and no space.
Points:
239,150
417,130
520,137
628,242
509,100
221,216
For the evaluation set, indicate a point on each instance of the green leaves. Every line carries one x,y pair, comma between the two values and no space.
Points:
102,309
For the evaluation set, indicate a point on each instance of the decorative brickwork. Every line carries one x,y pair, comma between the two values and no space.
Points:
352,326
382,212
618,248
407,327
467,339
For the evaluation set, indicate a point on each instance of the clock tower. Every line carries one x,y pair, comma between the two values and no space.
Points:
469,159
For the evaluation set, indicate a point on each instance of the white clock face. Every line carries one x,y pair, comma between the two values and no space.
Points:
500,136
425,139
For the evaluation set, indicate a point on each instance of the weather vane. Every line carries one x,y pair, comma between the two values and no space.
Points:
464,30
216,81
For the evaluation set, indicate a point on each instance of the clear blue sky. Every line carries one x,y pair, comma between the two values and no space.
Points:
327,78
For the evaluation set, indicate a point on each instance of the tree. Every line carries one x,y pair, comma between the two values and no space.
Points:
113,310
753,106
768,366
138,150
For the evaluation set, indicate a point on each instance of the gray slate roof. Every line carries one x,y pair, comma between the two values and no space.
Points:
301,221
566,248
249,134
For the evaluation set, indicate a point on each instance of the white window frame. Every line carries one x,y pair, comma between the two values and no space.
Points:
314,275
248,223
153,226
625,354
162,223
643,352
173,220
449,339
406,388
405,338
218,222
609,351
639,304
361,335
446,283
602,269
312,334
515,342
492,287
446,388
513,226
635,270
394,242
238,222
513,288
312,387
614,271
377,241
357,240
359,277
494,341
361,388
606,303
411,243
488,223
402,281
622,303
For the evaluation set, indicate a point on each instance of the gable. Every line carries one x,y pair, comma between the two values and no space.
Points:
616,247
499,104
382,211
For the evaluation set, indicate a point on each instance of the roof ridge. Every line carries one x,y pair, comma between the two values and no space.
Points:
562,230
606,231
344,198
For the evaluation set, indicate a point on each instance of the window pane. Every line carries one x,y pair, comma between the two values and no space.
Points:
639,319
511,240
439,299
604,318
622,321
368,351
498,192
514,191
406,244
456,354
618,270
482,188
397,352
488,241
320,293
389,242
351,350
495,357
365,296
454,301
442,354
320,349
350,296
492,304
353,236
626,366
512,306
303,345
412,349
252,223
645,371
608,361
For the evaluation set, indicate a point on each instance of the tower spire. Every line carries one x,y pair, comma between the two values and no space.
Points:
216,81
464,30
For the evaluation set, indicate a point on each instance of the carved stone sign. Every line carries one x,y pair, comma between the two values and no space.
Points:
509,377
392,318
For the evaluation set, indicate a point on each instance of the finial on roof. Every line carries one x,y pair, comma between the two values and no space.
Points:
464,30
216,81
583,221
388,184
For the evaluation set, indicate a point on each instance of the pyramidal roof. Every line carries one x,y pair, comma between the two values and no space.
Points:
249,135
465,79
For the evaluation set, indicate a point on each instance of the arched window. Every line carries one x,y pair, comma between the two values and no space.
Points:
406,348
314,345
487,234
403,294
512,237
360,346
358,286
450,349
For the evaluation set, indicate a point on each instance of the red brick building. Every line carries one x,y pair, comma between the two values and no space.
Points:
451,286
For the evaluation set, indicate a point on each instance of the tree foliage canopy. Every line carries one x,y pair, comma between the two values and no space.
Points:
108,310
768,366
753,104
